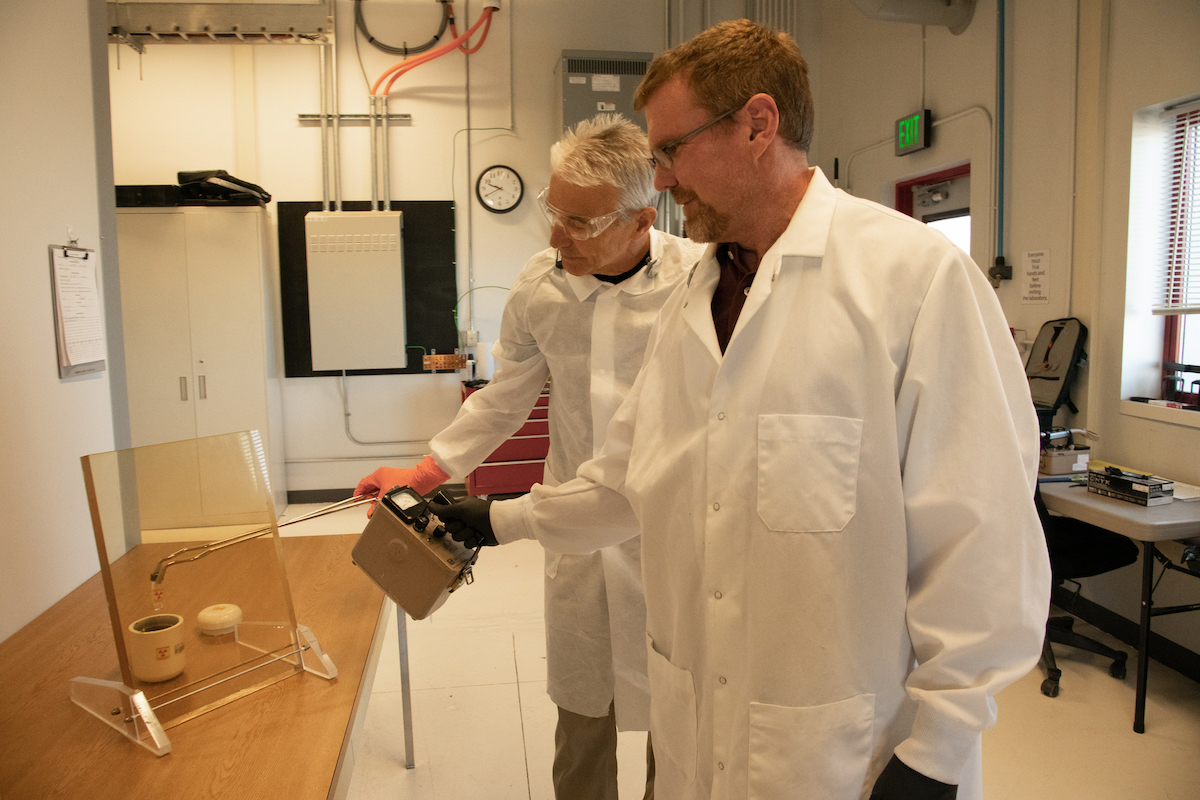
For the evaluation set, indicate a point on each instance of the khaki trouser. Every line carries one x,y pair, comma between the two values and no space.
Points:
585,758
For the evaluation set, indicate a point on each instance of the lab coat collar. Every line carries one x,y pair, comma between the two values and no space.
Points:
808,232
584,286
805,237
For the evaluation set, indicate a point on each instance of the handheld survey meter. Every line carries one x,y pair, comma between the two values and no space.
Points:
405,550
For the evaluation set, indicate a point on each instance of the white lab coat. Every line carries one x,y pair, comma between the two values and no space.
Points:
840,550
589,338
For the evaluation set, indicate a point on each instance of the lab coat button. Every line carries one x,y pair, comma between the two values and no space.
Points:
720,765
721,415
722,680
717,595
716,506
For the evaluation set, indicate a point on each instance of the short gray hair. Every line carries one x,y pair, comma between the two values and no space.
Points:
607,149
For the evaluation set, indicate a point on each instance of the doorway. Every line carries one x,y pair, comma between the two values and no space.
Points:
941,200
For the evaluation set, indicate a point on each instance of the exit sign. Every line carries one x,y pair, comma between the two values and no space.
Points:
912,132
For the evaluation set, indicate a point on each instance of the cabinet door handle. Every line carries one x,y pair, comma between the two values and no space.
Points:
202,388
183,387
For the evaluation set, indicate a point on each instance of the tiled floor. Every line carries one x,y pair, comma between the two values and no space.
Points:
484,727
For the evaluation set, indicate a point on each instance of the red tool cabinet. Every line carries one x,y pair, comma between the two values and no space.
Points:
517,464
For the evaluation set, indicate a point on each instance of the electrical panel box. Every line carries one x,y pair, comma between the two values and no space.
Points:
356,289
597,81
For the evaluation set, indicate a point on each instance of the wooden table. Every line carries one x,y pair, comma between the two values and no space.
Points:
1147,524
287,740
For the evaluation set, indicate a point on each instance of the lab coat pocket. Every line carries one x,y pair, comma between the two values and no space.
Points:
672,712
819,751
807,471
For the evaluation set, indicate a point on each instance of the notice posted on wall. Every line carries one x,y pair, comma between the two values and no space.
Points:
78,324
1035,277
606,83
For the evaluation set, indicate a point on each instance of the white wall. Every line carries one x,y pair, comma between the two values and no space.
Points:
49,161
873,76
1147,55
1077,73
235,107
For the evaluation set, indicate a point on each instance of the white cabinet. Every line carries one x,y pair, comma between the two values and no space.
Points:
199,329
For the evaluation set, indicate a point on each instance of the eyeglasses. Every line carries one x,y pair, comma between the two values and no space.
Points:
664,155
579,228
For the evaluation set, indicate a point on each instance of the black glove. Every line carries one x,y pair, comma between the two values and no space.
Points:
898,781
468,521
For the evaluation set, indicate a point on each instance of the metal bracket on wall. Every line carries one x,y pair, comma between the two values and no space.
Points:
353,119
217,23
121,36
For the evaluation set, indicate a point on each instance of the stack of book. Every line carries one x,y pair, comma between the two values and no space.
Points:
1132,487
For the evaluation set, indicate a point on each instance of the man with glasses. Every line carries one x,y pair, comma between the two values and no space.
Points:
579,314
830,452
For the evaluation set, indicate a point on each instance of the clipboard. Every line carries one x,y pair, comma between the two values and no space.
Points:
78,322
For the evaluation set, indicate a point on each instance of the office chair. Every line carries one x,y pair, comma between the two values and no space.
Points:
1079,550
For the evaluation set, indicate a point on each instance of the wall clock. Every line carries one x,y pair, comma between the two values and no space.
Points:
499,189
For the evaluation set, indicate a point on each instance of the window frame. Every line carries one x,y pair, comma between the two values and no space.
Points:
1184,188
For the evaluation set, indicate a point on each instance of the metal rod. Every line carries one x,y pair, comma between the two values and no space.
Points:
470,181
1164,610
374,155
212,547
387,154
359,118
337,149
1143,665
405,688
205,688
324,129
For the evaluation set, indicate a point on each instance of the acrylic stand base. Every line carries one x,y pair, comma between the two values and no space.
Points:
122,708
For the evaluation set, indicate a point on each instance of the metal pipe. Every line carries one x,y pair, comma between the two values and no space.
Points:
324,129
1074,170
374,154
1000,92
337,120
386,146
376,458
346,421
470,205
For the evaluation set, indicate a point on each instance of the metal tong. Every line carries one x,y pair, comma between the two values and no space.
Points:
201,551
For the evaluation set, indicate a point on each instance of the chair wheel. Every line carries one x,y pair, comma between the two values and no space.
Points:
1117,670
1050,688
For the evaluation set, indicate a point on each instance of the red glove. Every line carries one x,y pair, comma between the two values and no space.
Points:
424,478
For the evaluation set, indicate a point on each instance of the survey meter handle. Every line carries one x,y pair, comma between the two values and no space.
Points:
468,521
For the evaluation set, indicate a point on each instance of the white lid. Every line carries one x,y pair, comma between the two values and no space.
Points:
218,619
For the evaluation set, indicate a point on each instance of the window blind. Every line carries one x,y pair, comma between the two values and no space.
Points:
1181,290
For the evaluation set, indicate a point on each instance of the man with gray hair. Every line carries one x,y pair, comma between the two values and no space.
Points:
579,314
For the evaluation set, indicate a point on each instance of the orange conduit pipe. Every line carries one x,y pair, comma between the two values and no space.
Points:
482,39
403,67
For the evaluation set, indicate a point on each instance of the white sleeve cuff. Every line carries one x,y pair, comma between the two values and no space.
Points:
938,746
509,519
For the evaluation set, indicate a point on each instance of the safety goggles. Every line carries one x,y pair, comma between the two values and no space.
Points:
664,155
578,228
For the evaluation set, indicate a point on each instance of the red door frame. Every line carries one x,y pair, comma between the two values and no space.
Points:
904,195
